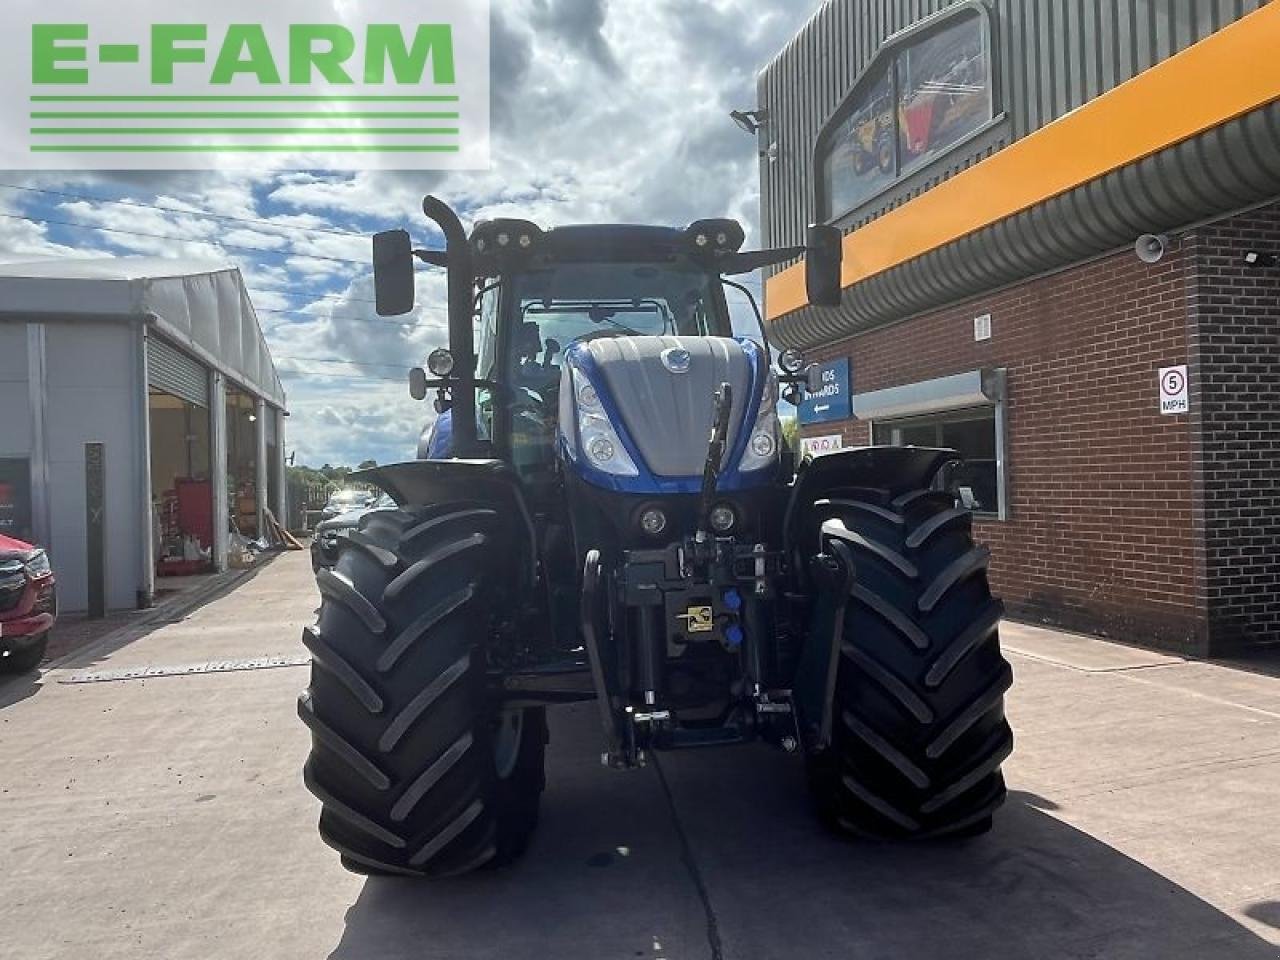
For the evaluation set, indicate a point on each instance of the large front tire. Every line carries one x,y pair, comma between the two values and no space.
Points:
418,770
917,726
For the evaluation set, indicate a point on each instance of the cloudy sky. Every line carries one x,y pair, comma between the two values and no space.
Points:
603,111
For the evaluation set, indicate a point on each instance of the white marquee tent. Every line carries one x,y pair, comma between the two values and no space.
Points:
84,346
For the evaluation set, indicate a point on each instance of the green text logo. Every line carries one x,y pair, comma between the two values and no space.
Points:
60,54
117,86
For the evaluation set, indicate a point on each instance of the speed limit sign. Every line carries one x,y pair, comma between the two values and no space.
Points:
1174,397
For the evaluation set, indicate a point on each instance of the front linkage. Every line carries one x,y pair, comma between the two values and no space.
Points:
704,590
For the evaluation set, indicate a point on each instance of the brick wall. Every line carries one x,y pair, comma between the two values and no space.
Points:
1235,342
1100,534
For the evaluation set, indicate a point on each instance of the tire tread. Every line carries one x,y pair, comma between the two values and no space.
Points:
920,682
398,708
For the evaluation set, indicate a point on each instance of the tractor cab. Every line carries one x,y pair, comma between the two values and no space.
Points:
542,305
544,296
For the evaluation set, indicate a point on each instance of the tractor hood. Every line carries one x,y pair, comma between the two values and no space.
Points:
659,394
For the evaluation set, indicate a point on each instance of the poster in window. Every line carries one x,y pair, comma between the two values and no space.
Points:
15,498
860,153
943,89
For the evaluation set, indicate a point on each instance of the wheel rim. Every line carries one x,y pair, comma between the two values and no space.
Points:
506,742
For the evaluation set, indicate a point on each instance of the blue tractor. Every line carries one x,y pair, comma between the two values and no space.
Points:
608,513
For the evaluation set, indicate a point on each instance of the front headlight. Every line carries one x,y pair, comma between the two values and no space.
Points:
762,446
598,440
38,564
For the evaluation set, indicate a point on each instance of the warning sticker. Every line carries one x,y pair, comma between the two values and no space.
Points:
699,619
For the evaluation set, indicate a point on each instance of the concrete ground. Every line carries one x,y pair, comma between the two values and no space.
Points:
165,817
174,598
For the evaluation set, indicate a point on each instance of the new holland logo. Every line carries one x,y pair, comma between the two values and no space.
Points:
677,359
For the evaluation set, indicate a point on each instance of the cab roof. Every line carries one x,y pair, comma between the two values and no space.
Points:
617,241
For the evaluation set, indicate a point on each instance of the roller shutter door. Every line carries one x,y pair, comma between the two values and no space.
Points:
172,371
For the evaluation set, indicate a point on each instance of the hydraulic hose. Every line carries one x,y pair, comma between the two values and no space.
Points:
715,458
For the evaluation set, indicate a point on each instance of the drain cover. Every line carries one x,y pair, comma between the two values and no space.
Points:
212,666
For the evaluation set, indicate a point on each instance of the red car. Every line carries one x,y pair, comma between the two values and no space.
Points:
28,605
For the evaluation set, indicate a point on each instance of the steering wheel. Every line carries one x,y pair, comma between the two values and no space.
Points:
533,405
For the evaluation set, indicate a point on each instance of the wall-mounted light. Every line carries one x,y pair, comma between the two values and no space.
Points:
1258,260
750,121
1151,247
253,418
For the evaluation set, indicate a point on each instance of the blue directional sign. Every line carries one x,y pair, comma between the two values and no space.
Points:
835,400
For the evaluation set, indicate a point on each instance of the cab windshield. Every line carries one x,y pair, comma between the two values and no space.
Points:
530,319
548,310
577,301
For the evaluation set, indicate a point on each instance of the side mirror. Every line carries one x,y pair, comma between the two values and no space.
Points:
418,383
813,378
393,273
824,255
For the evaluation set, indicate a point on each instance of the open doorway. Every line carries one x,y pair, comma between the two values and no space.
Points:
181,484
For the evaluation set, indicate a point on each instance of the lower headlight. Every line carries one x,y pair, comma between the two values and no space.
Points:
653,521
763,445
722,518
601,449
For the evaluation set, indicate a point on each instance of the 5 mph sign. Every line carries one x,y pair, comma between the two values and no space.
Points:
1174,397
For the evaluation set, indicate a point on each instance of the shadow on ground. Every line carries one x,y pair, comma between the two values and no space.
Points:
16,689
1265,911
1265,661
119,633
779,887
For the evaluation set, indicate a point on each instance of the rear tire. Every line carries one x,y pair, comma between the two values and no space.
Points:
26,660
409,759
918,731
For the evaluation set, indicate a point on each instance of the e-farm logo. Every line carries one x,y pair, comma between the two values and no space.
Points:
269,83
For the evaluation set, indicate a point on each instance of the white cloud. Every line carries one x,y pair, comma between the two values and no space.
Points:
604,111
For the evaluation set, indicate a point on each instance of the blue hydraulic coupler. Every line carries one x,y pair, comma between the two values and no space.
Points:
733,636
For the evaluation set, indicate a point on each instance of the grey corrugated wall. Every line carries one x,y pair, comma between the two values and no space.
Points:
1051,56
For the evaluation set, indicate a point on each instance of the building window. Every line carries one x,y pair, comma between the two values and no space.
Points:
860,157
924,92
975,435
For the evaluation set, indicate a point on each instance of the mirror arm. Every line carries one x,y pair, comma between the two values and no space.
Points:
437,258
451,383
733,264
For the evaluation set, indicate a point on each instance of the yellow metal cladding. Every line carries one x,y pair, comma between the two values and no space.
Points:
1222,77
